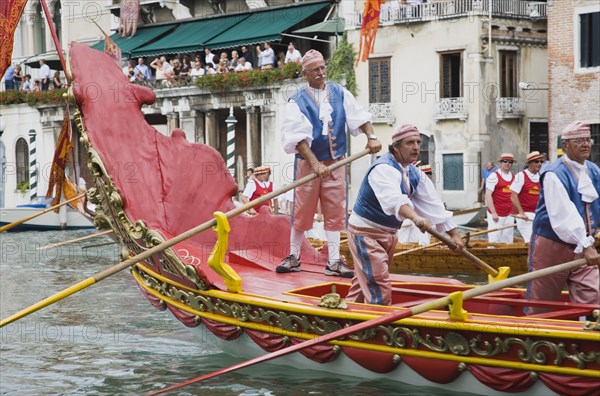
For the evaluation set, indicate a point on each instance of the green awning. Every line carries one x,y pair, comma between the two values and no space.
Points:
190,36
143,36
267,25
327,28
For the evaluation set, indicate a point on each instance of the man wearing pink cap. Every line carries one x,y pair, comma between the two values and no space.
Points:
497,199
314,128
566,220
525,192
392,191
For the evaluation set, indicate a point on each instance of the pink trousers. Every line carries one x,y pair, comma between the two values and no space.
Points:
581,282
372,251
331,191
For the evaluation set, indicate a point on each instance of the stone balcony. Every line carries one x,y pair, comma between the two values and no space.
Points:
451,108
509,108
382,113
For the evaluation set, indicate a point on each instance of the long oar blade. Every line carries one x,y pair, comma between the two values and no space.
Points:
50,300
167,244
386,319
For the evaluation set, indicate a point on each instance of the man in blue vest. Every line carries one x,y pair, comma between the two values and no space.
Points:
566,220
392,191
314,128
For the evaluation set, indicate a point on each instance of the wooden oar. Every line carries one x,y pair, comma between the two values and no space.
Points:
440,243
16,223
167,244
520,218
83,238
478,262
383,320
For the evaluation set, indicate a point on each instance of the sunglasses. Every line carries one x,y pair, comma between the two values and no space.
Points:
537,161
507,161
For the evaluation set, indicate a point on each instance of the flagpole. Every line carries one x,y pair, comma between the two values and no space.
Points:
55,37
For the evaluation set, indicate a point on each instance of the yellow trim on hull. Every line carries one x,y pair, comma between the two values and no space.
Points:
520,328
374,347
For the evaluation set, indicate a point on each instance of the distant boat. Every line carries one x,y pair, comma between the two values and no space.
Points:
468,216
48,221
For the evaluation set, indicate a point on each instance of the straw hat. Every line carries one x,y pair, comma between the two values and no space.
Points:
262,169
507,157
534,155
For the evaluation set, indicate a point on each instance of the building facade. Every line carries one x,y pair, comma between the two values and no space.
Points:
574,68
454,68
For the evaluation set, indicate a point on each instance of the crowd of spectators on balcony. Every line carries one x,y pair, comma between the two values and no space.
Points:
168,71
15,79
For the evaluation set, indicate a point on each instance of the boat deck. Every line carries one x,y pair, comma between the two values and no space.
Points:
306,287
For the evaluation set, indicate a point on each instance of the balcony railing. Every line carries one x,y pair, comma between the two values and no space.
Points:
393,11
382,113
451,108
509,108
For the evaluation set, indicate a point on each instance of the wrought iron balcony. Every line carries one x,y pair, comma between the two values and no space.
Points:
451,108
382,113
393,11
509,108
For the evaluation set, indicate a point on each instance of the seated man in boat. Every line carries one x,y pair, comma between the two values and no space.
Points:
497,199
525,192
258,186
566,220
392,191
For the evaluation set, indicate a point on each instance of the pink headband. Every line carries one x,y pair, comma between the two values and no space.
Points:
576,129
404,131
311,57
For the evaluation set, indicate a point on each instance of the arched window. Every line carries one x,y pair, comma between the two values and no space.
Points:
22,159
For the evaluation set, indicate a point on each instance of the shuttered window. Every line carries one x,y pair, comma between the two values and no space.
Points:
451,75
508,74
589,39
379,80
22,159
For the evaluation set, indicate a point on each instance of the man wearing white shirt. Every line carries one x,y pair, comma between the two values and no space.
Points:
497,199
292,54
242,65
197,71
566,221
314,128
44,74
266,57
392,191
525,193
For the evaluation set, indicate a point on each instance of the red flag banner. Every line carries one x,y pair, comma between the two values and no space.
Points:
64,146
10,14
368,28
128,21
112,49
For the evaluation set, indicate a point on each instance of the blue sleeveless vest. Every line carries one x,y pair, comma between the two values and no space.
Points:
367,206
541,222
333,145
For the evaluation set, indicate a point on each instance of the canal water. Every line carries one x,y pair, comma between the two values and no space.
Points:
109,340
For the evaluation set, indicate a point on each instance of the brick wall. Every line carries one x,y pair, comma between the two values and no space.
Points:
574,95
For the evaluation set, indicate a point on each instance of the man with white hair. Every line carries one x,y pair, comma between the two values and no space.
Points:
314,128
292,54
392,191
566,221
